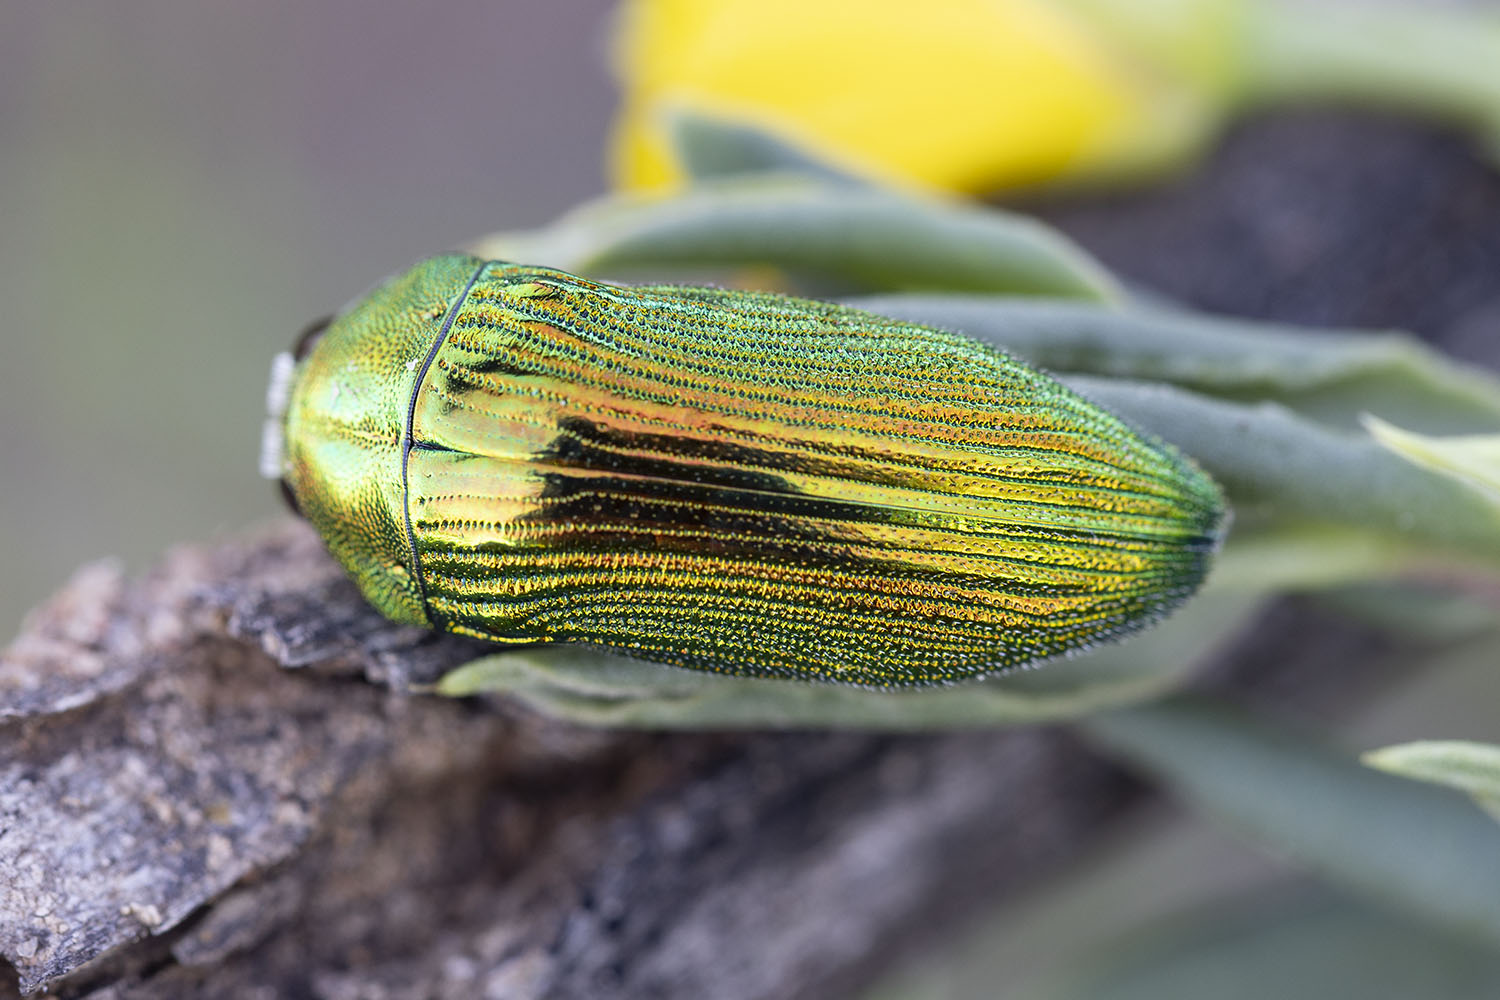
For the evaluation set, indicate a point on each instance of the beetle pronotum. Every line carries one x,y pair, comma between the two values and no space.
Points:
731,481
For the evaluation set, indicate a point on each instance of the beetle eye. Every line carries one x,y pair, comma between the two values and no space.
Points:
290,498
309,337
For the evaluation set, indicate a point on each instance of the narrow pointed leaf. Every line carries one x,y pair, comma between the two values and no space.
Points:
1302,945
1470,767
1283,471
709,148
1331,376
593,688
1473,459
849,239
1425,849
1317,508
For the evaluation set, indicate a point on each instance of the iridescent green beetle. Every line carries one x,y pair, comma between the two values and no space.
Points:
724,480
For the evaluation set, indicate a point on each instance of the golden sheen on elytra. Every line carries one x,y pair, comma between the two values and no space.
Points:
730,481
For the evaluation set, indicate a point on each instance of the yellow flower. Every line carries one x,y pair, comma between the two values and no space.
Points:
967,95
980,95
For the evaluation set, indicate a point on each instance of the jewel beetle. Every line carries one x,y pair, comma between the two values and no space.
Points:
724,480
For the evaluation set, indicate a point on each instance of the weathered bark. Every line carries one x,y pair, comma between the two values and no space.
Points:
206,820
183,815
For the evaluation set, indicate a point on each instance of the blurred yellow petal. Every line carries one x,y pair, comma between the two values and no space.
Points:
980,95
955,94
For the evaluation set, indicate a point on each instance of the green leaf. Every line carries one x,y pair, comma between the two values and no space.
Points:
1427,612
1317,508
1329,376
850,239
1472,768
1473,459
1283,945
1286,473
592,687
709,148
1412,845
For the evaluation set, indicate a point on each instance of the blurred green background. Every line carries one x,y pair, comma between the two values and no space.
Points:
186,185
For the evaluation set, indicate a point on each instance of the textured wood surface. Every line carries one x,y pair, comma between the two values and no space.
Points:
212,785
206,819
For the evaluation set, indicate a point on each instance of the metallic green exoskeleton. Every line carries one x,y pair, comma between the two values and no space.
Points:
724,480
